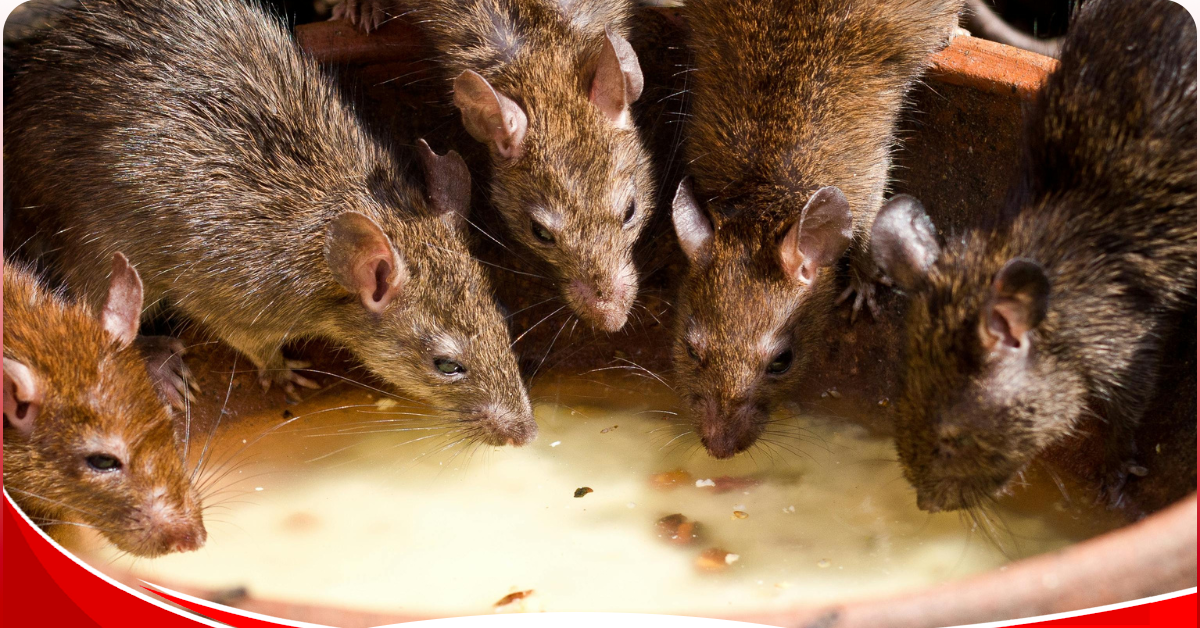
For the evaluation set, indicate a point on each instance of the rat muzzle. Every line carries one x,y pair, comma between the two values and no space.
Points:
728,427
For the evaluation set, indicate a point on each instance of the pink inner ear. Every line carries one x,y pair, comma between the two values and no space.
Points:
1005,322
489,116
22,396
382,270
123,310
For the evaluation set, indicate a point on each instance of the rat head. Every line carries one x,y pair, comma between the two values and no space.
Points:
570,178
418,311
88,441
982,395
751,312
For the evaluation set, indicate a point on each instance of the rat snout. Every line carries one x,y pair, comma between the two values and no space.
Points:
167,527
188,538
960,470
500,426
728,427
959,453
604,302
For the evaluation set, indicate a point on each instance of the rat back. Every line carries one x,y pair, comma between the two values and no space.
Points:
1114,137
197,138
792,95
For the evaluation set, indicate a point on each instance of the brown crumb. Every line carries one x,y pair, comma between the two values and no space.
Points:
678,530
513,597
741,514
609,429
715,559
670,479
583,490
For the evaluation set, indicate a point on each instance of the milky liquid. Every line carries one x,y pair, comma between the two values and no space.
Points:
336,509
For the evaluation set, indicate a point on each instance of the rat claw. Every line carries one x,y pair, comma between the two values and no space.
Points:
864,294
300,380
169,373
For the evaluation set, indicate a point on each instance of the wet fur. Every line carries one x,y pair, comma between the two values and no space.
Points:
1107,205
195,137
93,388
788,96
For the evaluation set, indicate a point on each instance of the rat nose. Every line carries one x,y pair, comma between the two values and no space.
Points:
606,309
954,447
728,428
188,539
500,426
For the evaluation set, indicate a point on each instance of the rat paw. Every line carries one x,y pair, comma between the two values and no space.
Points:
864,294
287,378
1112,487
367,15
169,373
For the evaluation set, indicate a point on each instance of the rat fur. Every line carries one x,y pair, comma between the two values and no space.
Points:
793,110
198,139
87,441
547,86
1053,315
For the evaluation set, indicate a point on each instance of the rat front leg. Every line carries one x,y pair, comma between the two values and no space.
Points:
267,355
168,371
367,15
1120,463
864,277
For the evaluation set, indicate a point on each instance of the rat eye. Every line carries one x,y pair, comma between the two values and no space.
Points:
781,363
630,212
541,232
449,367
691,351
103,462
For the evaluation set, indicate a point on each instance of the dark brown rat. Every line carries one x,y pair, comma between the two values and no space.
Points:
1052,316
196,137
794,105
547,87
87,441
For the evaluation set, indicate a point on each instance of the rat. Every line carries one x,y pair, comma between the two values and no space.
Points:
87,440
793,111
547,86
198,139
1052,314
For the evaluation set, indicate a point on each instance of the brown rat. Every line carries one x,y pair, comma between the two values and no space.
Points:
794,105
87,441
1053,315
198,139
547,87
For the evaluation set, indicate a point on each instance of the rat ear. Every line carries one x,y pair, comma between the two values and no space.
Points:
123,309
618,80
363,260
819,237
22,396
448,182
692,227
904,241
490,117
1020,296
